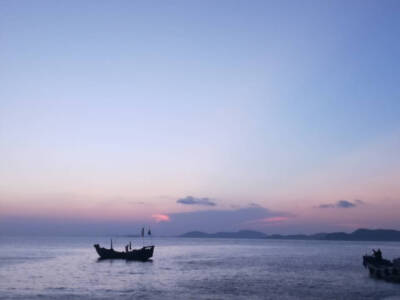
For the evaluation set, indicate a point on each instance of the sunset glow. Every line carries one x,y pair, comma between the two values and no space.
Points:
270,116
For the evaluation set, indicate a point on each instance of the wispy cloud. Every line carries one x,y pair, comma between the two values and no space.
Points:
190,200
136,202
275,218
342,204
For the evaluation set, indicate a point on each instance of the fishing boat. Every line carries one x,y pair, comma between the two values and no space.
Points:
143,254
381,268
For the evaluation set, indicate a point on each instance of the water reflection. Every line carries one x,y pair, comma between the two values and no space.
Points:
184,268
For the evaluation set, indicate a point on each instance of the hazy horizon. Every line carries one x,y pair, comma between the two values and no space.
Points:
276,116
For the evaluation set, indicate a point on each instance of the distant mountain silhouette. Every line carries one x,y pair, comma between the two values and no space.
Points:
243,234
365,235
358,235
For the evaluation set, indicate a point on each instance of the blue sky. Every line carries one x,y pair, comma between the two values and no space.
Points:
240,102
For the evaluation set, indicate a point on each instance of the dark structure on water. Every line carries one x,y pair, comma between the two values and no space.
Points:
142,254
381,268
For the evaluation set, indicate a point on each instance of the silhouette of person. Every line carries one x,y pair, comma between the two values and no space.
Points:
377,254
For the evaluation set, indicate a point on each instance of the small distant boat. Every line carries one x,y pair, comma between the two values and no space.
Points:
381,268
143,254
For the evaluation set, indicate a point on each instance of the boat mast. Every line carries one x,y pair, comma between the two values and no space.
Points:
151,238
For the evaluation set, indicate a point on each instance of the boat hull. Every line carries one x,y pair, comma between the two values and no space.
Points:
382,268
142,254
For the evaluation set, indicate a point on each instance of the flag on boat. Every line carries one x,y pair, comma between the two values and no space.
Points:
142,231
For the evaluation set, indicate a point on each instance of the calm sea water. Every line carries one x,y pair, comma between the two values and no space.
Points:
67,268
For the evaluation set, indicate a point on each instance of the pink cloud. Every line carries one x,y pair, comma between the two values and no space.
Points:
273,219
269,220
160,218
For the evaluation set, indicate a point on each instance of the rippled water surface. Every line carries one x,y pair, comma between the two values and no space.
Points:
67,268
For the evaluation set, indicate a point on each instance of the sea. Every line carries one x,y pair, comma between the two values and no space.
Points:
184,268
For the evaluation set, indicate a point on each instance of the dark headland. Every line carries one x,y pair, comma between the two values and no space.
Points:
357,235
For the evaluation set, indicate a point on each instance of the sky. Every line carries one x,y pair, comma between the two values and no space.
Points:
277,116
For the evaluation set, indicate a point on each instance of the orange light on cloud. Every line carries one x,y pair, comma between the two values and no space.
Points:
160,218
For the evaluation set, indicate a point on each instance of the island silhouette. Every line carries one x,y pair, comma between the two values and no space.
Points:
357,235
